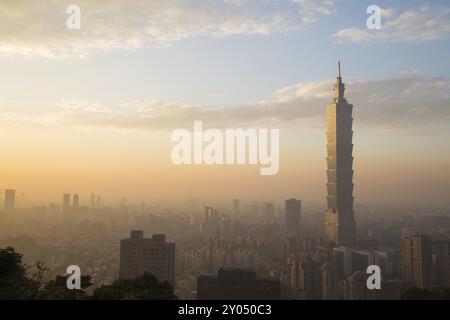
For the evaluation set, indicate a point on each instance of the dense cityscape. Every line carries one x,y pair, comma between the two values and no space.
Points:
242,235
206,159
244,249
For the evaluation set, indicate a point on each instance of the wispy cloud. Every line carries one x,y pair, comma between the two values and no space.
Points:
38,28
409,101
311,10
422,24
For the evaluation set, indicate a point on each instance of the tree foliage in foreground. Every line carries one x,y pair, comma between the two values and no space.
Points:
145,287
57,289
18,282
14,281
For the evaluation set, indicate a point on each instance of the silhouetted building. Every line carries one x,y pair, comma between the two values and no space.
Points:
268,214
66,202
441,249
348,260
10,200
361,259
235,207
237,284
292,217
211,214
388,259
54,209
194,260
417,261
98,202
211,225
355,286
305,275
76,200
340,223
288,247
92,200
329,282
154,255
225,228
342,259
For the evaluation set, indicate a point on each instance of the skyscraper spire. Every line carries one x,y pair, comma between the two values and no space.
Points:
339,86
339,69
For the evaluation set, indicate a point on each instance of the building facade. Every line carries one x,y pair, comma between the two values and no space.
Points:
292,217
154,255
10,200
417,260
237,284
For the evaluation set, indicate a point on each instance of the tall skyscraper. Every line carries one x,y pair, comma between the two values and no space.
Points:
76,200
442,252
10,200
292,217
153,255
268,212
66,202
235,207
225,228
211,226
98,202
340,223
417,260
92,200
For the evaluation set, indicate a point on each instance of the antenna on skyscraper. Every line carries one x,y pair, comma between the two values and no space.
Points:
339,69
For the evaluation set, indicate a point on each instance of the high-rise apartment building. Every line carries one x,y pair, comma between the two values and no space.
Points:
76,200
225,228
66,202
355,286
235,207
211,224
10,200
442,254
292,217
306,275
340,223
329,282
154,255
417,260
268,212
98,201
92,200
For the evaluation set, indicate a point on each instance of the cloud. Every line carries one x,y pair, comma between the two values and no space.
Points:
409,101
311,10
81,106
236,2
38,28
413,25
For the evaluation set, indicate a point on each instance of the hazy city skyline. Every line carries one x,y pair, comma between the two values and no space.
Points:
81,110
211,150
